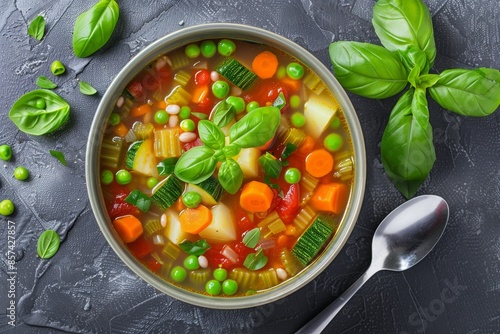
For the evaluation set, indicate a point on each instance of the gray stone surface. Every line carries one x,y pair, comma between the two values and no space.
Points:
85,288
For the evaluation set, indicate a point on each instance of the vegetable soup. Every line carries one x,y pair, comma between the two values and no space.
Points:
226,167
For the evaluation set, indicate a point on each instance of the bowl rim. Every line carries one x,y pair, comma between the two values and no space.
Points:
246,33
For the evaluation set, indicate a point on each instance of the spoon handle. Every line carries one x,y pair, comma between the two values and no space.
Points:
319,322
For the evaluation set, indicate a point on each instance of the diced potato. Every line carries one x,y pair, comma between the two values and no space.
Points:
319,112
173,230
145,160
222,228
248,159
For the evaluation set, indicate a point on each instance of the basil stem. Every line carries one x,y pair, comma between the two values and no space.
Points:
196,165
230,176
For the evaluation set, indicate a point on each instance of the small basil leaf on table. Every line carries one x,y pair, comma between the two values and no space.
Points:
59,156
407,149
368,70
196,165
230,176
255,128
400,23
272,166
48,244
211,135
39,112
468,92
166,166
94,27
252,237
139,200
86,88
36,28
194,248
44,82
255,261
223,113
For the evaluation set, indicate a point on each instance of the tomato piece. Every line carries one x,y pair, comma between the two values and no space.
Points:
215,258
153,265
202,78
243,222
194,143
266,92
290,204
141,247
136,90
118,207
242,251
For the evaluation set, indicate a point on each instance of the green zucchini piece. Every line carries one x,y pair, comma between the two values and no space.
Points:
313,239
238,74
210,190
167,192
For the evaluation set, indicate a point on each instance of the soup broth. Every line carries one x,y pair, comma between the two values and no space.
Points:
226,167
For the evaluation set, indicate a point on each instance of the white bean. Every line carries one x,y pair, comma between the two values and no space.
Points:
202,261
214,76
161,62
282,274
173,121
119,102
163,220
173,109
236,91
187,137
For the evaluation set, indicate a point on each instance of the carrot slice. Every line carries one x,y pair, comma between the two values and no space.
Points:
161,104
319,162
199,94
265,64
128,227
140,110
306,147
195,220
256,197
330,197
121,130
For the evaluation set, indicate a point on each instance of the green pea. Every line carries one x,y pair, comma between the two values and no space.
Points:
161,117
237,102
298,119
335,123
21,173
213,287
114,119
191,262
191,199
185,112
229,287
250,292
292,175
220,89
187,125
295,70
333,142
57,68
123,177
281,72
152,182
220,274
6,207
5,152
252,105
208,49
107,176
192,51
295,101
226,47
40,103
178,274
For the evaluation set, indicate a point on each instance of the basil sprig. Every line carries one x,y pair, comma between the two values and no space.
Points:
194,248
405,29
256,261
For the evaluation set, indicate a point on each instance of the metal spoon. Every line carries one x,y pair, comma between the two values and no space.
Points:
403,238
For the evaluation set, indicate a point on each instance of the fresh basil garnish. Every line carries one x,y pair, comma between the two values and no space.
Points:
139,200
59,156
44,82
211,135
255,261
36,28
48,244
223,113
280,101
199,115
194,248
196,165
86,88
256,128
252,237
289,149
166,166
230,176
272,166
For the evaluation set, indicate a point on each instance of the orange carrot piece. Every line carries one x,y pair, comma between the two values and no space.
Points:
161,105
256,197
319,162
330,197
306,147
193,221
199,94
140,110
283,241
128,227
265,64
179,205
121,130
293,85
291,230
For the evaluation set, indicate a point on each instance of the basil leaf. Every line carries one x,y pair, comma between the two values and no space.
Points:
255,261
407,149
199,115
139,199
196,165
86,88
412,57
230,176
36,28
280,101
400,23
413,76
272,166
231,150
255,128
48,244
252,237
194,248
166,167
420,108
44,82
427,80
211,135
223,113
94,27
289,149
59,156
468,92
368,70
39,112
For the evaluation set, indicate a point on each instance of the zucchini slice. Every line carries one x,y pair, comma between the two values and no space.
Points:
238,74
210,190
167,192
141,158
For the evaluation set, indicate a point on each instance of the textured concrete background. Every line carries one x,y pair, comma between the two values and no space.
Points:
86,289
